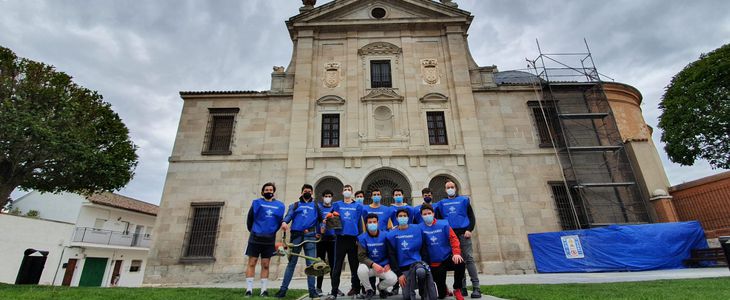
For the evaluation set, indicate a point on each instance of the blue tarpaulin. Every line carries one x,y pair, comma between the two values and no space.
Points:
617,248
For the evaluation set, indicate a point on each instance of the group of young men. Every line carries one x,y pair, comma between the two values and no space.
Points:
403,246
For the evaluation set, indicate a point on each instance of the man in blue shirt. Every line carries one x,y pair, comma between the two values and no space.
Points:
263,221
383,212
457,210
305,219
444,252
406,249
373,257
399,203
326,247
350,213
427,199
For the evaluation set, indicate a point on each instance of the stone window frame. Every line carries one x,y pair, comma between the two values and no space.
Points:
215,114
540,125
189,256
329,104
437,102
381,51
329,141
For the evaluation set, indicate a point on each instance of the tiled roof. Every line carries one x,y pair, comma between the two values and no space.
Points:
123,202
184,93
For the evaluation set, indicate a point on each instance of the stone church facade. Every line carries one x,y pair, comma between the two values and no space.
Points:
378,94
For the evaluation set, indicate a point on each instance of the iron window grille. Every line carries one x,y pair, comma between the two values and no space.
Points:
436,128
220,130
546,128
380,76
202,231
567,212
330,130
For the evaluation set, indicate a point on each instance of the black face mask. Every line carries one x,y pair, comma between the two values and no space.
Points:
307,196
268,195
427,199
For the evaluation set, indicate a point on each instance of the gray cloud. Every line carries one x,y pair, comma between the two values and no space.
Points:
139,54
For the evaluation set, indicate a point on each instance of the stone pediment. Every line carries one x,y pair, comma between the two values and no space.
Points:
434,98
331,100
382,94
344,11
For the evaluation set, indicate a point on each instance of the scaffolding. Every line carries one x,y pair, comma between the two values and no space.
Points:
599,186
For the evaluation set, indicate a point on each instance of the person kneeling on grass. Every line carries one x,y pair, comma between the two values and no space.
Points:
444,252
373,257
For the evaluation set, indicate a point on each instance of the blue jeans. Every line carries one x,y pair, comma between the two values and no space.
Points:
310,249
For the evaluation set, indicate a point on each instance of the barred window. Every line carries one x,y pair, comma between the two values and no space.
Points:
330,130
565,209
219,133
202,230
436,128
546,128
380,74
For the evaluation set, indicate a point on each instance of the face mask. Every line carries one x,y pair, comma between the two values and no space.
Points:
372,227
268,195
327,200
451,192
427,199
398,199
359,200
347,194
376,199
402,220
428,219
307,196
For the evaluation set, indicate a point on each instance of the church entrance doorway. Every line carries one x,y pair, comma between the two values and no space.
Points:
386,180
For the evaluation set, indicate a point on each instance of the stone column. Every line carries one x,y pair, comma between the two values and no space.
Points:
664,207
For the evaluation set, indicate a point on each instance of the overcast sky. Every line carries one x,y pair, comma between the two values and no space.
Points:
139,54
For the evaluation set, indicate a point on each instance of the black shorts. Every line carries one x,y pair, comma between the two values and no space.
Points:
263,250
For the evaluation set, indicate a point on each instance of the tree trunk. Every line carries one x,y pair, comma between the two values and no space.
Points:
5,190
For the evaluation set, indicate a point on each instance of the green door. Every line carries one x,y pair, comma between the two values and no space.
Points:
93,271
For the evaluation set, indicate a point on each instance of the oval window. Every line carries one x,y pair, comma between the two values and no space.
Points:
378,13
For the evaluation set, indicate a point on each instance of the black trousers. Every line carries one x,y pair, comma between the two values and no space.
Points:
439,275
345,245
325,251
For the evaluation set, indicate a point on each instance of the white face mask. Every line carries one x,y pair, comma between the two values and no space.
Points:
327,200
451,192
347,194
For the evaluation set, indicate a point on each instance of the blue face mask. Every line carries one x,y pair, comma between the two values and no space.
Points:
372,227
402,220
398,199
359,200
376,199
428,219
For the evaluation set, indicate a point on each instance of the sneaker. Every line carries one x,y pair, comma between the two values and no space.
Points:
369,294
396,290
340,293
330,297
457,295
352,292
476,293
249,294
281,293
464,292
265,294
320,293
384,294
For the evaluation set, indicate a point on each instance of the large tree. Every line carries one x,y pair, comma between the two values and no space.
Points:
696,111
56,135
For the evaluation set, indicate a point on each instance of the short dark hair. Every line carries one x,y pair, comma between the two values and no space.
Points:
426,191
346,185
359,193
371,216
271,184
397,190
426,206
375,190
327,192
307,186
403,209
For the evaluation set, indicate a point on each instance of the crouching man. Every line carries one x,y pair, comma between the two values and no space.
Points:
373,257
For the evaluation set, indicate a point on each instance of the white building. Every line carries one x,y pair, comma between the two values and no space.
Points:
101,240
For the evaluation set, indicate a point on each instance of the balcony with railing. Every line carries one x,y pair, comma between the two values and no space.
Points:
111,238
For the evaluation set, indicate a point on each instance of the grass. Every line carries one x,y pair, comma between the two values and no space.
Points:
709,288
9,291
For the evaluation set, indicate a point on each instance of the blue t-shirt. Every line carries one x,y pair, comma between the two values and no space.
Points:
383,212
437,240
268,216
394,214
375,246
417,212
324,210
455,211
407,244
351,216
304,217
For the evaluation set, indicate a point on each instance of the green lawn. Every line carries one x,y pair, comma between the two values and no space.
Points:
711,288
8,291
